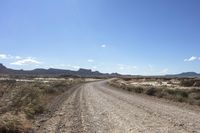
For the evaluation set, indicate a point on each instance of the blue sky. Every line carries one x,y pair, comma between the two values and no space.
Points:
148,37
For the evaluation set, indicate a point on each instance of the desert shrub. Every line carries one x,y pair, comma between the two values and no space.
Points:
1,93
159,92
162,93
13,124
187,82
150,91
28,100
59,86
8,81
179,98
129,88
122,86
195,96
6,86
197,84
50,90
181,93
198,103
138,89
169,82
191,96
33,110
127,79
10,126
177,92
170,91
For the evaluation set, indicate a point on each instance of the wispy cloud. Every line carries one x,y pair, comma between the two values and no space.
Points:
20,61
193,58
26,61
90,60
18,57
8,57
94,68
73,66
164,71
103,45
3,56
64,66
126,67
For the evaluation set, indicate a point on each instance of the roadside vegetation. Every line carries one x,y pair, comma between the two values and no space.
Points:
21,101
179,90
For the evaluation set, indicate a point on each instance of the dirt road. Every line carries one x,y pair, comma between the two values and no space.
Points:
97,108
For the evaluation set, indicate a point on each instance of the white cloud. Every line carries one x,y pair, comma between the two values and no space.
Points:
94,68
62,65
193,58
164,71
3,56
18,57
126,67
26,61
18,60
73,66
90,60
103,45
76,67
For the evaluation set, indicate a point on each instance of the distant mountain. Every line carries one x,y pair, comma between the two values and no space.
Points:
185,74
2,67
81,72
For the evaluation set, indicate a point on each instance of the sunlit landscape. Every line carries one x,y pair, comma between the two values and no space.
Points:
99,66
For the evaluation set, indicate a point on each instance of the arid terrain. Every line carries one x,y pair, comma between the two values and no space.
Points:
23,99
90,105
97,107
100,66
177,89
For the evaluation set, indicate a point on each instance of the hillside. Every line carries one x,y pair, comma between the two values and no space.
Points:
51,71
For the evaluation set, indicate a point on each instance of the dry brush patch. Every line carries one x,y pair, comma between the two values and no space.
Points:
190,95
27,99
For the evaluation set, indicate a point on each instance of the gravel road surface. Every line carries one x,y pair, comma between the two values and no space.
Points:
98,108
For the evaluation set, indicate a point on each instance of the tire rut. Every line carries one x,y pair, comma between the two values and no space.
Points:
67,118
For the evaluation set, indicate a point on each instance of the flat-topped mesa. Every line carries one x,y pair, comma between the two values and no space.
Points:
54,72
84,70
